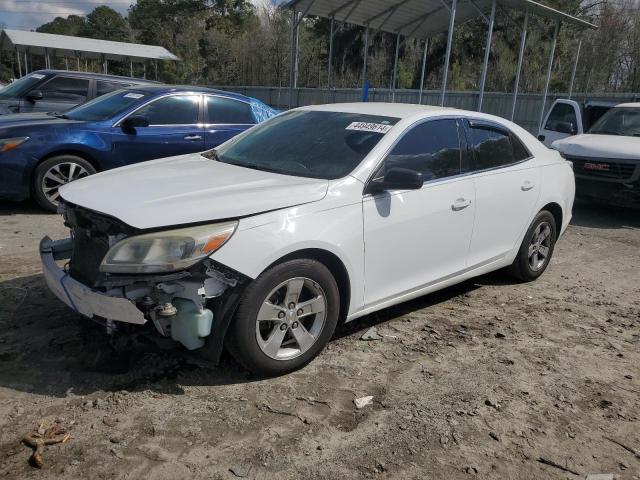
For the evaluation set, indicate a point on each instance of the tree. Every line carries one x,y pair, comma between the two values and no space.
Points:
73,25
106,24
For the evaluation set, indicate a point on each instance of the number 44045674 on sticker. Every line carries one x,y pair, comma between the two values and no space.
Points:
369,127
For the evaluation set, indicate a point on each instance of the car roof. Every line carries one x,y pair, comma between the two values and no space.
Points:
159,89
99,76
630,104
397,110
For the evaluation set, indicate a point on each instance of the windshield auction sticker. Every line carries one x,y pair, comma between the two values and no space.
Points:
369,127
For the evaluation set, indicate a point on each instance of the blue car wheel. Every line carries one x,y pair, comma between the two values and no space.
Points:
55,172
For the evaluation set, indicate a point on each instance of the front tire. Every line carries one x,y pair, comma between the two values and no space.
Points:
536,249
286,317
55,172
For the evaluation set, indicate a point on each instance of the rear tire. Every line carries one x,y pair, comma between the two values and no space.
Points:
55,172
536,249
285,318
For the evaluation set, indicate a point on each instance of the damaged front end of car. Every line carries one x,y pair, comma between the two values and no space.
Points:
117,273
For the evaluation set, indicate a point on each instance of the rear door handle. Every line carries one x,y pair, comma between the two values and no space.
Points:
526,186
193,137
460,204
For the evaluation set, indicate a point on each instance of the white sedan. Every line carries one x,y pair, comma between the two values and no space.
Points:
320,215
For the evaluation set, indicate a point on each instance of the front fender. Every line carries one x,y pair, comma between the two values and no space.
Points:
337,230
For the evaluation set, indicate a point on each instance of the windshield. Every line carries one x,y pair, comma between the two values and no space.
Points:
307,143
21,86
619,121
106,106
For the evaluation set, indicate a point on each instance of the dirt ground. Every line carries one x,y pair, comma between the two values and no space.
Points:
488,379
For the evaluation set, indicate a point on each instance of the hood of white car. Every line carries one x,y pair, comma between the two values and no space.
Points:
599,146
188,189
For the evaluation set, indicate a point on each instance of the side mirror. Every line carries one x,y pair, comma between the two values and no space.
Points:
566,127
398,179
134,121
34,95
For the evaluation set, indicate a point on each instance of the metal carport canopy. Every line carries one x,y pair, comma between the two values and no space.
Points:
422,19
65,45
417,18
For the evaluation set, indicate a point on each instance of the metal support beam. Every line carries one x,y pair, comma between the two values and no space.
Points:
487,50
355,5
523,41
549,68
424,67
19,63
329,64
575,67
297,51
78,55
342,7
390,11
395,69
130,67
292,59
366,56
156,67
66,63
447,57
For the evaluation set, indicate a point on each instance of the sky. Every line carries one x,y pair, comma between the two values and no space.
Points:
30,14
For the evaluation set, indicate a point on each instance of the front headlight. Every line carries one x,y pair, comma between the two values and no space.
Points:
7,144
166,251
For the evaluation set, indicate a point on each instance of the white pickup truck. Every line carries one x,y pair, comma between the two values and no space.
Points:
569,117
606,159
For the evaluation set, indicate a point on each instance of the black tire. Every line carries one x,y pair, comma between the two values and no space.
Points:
242,341
61,161
521,267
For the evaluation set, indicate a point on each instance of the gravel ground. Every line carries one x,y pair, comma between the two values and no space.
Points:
489,379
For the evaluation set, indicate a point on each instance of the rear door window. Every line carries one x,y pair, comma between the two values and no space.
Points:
431,148
222,110
173,110
62,88
492,146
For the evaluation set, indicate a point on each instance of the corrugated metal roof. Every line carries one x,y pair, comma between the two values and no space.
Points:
37,42
418,18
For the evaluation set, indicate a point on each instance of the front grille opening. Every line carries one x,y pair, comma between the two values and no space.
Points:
602,168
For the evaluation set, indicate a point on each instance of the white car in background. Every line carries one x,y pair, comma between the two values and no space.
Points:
319,215
606,160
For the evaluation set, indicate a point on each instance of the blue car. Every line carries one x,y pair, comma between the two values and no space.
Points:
40,152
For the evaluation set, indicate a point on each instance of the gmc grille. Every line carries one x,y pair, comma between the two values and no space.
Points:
603,168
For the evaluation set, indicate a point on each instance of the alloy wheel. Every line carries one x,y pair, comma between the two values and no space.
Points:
58,175
540,246
291,318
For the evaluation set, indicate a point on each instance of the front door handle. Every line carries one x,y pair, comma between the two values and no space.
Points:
460,204
526,186
193,137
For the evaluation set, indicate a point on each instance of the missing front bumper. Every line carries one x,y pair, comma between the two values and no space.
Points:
79,297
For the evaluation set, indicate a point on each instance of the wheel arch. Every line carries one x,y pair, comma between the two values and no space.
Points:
556,210
335,266
70,151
